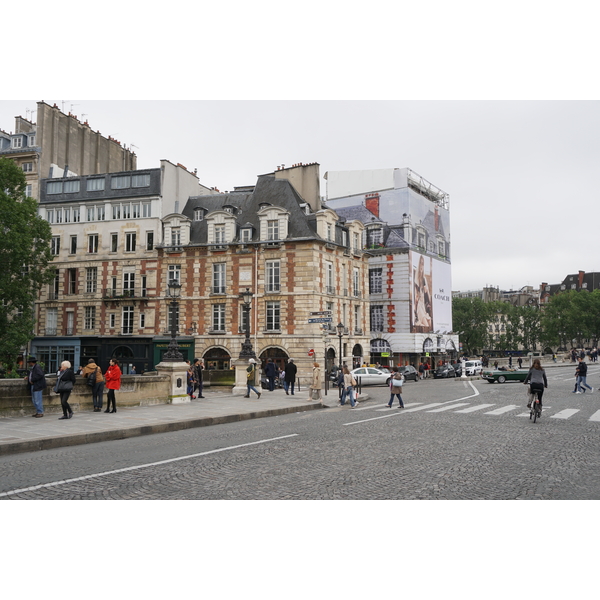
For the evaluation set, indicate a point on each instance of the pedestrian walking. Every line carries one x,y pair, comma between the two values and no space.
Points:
191,382
396,381
113,383
199,376
349,385
315,386
510,362
36,380
290,377
271,373
251,378
581,375
93,373
421,371
520,361
64,385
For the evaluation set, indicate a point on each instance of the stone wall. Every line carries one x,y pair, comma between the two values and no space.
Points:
136,390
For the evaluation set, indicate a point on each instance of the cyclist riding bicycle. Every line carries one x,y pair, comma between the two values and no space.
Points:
537,380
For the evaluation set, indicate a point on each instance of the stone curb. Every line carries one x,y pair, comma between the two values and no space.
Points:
128,432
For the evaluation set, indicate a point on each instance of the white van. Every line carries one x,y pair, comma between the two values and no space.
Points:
473,367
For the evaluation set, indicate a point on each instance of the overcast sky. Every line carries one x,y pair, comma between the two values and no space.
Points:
522,176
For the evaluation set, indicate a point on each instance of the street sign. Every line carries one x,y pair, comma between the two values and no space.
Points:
320,320
385,355
321,313
311,352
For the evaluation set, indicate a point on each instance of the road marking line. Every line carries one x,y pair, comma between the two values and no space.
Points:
474,408
396,413
136,467
595,416
449,407
502,410
565,414
387,408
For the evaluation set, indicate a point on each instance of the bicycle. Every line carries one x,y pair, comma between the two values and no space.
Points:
536,410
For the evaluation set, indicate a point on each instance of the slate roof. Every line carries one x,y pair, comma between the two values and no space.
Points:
268,189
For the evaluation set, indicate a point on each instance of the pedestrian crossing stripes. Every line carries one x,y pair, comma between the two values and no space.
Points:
453,405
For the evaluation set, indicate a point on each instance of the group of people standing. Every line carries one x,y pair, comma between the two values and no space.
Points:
195,378
65,382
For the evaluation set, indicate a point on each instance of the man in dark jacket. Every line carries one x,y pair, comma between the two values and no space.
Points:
37,382
198,368
271,373
290,376
581,373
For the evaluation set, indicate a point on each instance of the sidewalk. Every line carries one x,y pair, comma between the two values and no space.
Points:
24,434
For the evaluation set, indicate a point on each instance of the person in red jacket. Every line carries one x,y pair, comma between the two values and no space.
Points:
113,382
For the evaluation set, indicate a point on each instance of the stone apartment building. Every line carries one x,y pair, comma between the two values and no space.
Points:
105,298
58,144
295,257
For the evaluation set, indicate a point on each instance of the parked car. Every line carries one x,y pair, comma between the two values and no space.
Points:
444,371
371,376
501,375
473,367
409,372
457,369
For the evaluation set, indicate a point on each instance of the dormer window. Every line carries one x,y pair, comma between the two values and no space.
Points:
31,141
230,209
273,223
220,233
198,214
246,235
273,230
329,232
17,142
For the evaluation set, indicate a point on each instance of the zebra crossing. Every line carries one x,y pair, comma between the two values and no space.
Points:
491,409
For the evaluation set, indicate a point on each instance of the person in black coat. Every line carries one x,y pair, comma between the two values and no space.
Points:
36,380
64,388
290,376
271,373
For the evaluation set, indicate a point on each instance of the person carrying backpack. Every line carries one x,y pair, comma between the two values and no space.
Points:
93,373
396,381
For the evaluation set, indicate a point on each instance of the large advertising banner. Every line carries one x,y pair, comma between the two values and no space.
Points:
430,295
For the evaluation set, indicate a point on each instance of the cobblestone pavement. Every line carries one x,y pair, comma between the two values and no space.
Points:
454,440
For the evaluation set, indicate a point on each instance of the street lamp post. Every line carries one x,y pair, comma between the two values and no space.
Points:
325,360
340,329
172,354
247,351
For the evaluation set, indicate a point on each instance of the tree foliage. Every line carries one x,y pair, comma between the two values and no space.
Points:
25,259
470,318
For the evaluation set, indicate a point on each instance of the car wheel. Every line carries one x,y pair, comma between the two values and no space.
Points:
501,379
387,381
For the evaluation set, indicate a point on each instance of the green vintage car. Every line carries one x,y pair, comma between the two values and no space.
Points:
503,376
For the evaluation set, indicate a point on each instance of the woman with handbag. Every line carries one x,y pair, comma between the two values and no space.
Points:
64,386
113,382
349,385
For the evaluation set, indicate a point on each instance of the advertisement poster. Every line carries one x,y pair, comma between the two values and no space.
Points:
430,295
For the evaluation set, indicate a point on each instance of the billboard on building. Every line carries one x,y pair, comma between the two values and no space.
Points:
430,294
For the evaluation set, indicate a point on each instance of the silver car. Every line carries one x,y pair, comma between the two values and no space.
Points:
371,376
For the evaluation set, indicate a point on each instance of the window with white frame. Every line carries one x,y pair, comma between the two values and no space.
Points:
89,322
71,281
130,241
93,243
246,235
142,320
135,210
176,236
376,280
356,317
273,229
174,273
54,187
73,247
218,317
126,210
50,215
140,180
17,142
356,282
128,283
146,209
149,240
28,190
119,182
116,211
273,310
329,277
112,320
31,141
95,185
27,167
55,245
76,214
218,278
220,233
272,276
91,280
377,317
344,238
198,214
51,321
127,319
114,242
329,232
356,241
71,186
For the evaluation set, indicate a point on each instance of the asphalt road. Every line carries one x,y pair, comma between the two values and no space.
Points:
454,440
